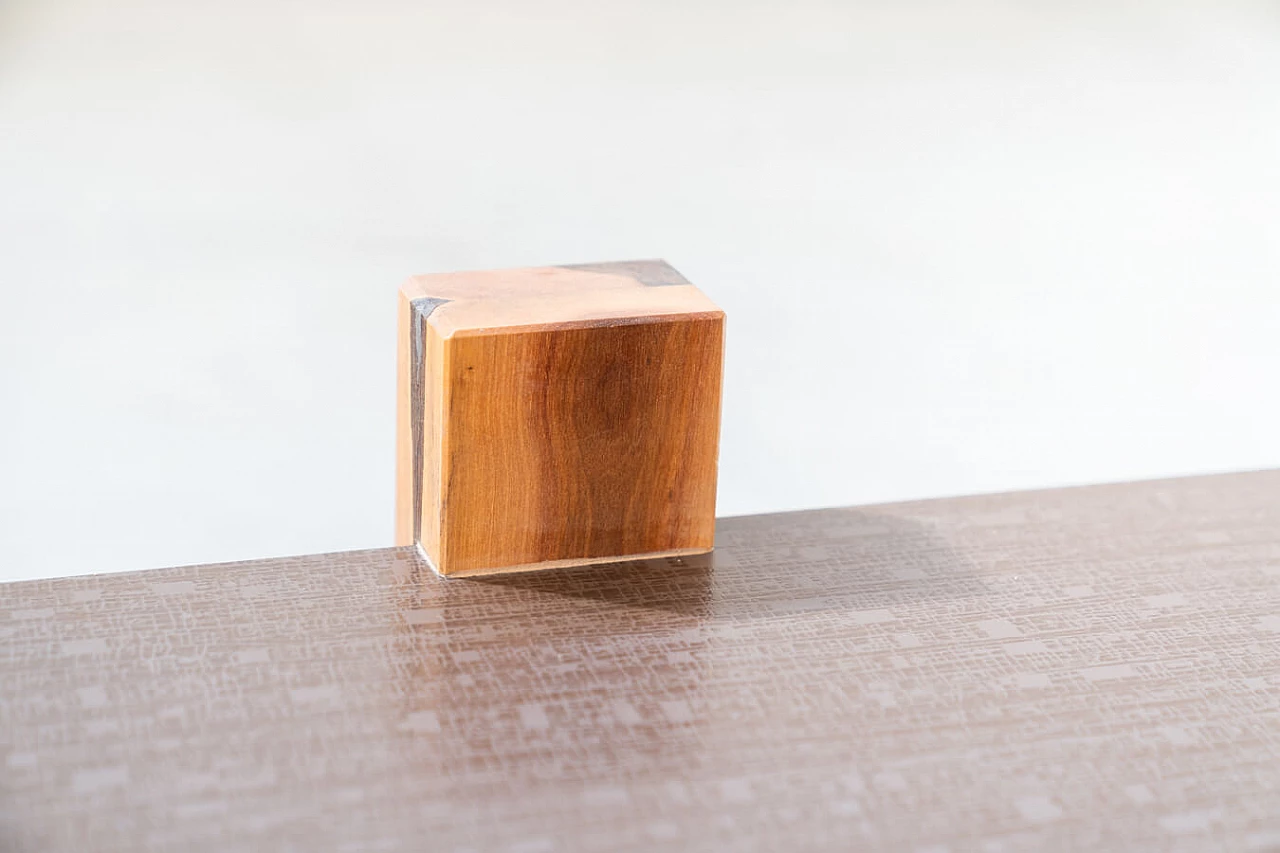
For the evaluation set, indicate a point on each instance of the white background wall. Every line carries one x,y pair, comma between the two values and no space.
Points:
963,246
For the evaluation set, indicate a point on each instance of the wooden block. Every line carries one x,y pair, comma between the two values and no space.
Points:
557,416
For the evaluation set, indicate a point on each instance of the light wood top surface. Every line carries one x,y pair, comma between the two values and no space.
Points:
491,301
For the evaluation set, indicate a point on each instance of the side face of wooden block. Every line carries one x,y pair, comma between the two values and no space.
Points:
563,416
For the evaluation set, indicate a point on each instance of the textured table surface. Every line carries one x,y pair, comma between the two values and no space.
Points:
1093,668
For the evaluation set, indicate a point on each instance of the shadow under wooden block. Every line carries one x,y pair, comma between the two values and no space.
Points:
557,416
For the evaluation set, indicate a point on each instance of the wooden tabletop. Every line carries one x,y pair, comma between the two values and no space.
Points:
1091,668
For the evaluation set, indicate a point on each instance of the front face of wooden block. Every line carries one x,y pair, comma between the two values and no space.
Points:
578,443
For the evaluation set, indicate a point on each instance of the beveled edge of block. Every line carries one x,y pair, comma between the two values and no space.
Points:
449,333
546,565
421,310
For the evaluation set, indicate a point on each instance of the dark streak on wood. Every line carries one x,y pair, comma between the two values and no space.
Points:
650,273
422,309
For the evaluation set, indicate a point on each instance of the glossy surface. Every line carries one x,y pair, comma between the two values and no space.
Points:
582,443
1092,668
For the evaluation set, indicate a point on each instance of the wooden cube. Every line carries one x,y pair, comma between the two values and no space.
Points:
557,416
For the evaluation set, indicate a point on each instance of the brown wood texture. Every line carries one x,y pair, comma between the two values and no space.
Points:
557,416
1080,669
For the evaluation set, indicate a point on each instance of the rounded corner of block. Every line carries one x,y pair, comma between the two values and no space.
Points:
411,287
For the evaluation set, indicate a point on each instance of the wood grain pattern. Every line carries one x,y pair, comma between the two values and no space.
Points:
557,416
1079,669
